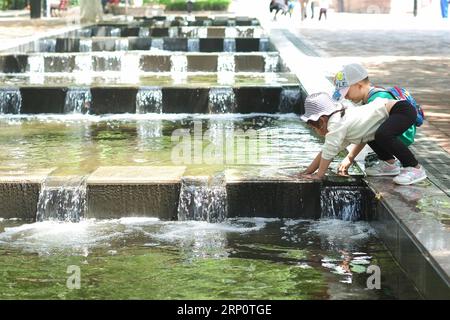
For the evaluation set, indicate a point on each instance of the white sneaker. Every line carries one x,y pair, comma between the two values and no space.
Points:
383,169
410,175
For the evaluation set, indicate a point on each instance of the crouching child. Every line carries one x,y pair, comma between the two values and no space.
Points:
382,121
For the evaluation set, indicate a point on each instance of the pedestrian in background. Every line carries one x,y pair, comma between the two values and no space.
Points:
444,8
324,5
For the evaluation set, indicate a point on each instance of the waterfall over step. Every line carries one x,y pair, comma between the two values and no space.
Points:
121,44
203,199
78,100
62,199
221,100
10,101
271,62
83,63
264,44
116,32
47,45
149,100
231,32
85,45
194,45
289,98
229,45
157,44
36,64
144,32
226,63
343,203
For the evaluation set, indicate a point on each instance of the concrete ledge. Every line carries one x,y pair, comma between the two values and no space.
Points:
19,194
136,175
414,224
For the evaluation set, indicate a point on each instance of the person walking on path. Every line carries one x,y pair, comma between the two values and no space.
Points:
324,5
444,8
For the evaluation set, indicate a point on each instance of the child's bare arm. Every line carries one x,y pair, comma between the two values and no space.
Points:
323,167
314,165
347,162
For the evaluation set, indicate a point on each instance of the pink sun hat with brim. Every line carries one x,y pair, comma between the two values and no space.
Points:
317,105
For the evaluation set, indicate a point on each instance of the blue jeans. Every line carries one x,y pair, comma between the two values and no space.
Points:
444,8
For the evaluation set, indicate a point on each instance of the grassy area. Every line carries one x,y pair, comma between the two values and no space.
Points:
199,5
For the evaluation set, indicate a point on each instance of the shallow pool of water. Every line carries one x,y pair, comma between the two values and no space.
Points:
79,144
137,258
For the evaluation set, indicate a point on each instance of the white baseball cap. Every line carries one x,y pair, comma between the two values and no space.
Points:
348,76
317,105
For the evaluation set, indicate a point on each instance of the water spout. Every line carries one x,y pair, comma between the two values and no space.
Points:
78,100
203,199
62,199
10,101
343,203
222,100
149,100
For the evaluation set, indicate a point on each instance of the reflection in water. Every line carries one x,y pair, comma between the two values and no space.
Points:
239,258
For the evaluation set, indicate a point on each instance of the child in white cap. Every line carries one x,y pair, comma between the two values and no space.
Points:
352,83
382,121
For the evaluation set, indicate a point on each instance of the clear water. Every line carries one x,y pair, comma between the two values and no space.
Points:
203,199
205,144
138,258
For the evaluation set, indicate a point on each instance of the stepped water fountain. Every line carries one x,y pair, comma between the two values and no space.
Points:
147,121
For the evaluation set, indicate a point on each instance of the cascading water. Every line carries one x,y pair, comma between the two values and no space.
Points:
83,63
263,44
221,100
229,45
203,199
194,45
343,203
173,32
78,100
157,44
289,98
85,45
202,33
10,101
231,32
179,67
226,66
116,32
149,100
121,44
144,32
271,62
47,45
84,33
130,67
36,63
62,199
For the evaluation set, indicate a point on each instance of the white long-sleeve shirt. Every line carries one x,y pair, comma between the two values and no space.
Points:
358,125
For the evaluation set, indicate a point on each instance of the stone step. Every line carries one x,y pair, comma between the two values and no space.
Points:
183,44
123,99
115,192
141,61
